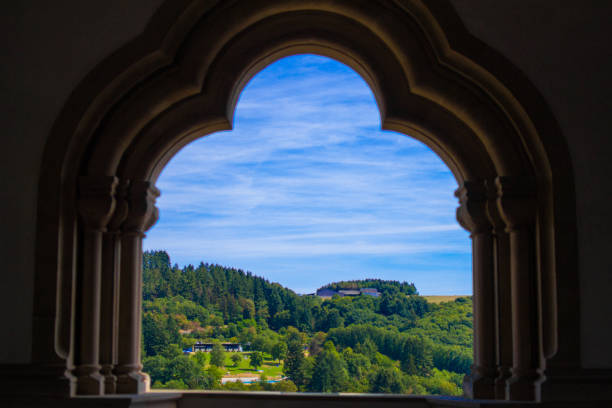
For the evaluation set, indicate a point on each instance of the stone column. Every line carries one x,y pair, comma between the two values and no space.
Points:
472,215
503,314
141,216
96,204
109,320
516,203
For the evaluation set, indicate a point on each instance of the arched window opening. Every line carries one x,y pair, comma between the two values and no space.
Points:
181,79
309,192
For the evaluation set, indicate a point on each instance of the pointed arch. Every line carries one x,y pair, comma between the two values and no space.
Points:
181,79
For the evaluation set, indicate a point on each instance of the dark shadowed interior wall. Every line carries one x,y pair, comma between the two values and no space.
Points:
561,46
47,48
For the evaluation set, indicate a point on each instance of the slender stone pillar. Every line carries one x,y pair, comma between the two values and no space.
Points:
141,216
96,205
516,203
472,215
503,313
109,320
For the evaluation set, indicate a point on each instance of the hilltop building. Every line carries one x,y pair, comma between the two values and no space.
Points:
326,293
370,292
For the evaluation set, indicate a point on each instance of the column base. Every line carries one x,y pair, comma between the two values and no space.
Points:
90,384
500,383
522,388
133,383
477,386
110,380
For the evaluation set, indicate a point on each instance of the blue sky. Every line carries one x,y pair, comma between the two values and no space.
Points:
307,190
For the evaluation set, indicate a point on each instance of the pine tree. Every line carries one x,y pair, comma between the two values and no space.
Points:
330,373
294,363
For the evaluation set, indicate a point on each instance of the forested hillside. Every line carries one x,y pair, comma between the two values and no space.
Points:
381,285
394,343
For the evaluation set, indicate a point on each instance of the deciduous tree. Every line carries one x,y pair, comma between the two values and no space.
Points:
217,355
279,351
256,359
236,359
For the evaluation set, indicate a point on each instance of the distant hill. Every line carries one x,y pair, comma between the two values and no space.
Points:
380,284
230,293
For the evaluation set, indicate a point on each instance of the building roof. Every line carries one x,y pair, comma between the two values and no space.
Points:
326,292
369,290
350,292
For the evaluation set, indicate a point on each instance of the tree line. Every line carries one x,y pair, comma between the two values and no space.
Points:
380,284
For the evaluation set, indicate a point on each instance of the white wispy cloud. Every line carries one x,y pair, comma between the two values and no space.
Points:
307,173
272,248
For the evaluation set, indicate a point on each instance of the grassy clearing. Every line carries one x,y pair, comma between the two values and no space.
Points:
440,299
269,367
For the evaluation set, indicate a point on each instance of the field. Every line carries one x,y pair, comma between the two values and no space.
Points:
269,367
440,299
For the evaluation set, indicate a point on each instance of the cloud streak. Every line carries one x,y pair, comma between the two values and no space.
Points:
307,181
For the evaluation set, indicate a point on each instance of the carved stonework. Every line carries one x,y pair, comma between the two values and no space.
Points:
472,215
503,314
96,200
109,320
121,206
142,210
96,205
431,77
517,206
141,216
516,202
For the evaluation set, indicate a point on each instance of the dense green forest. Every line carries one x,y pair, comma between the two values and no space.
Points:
381,285
394,343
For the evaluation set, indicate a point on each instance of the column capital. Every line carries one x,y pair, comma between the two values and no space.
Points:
121,206
471,213
493,213
96,201
516,201
142,213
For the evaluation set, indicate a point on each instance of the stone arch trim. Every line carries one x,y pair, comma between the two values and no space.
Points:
180,80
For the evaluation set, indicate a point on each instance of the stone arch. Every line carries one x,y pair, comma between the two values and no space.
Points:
181,79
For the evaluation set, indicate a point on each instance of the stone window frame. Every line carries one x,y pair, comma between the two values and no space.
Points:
181,78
